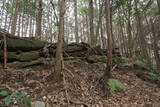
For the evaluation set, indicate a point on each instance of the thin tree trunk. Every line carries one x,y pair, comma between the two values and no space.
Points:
155,46
158,3
39,20
14,20
22,26
2,13
19,25
109,35
76,21
59,59
91,16
5,51
129,28
99,22
30,26
142,41
6,19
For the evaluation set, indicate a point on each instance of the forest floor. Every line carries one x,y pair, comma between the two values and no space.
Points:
81,87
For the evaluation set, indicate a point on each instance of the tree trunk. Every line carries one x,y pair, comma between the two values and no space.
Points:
129,28
76,22
22,25
158,3
99,21
91,17
141,36
59,59
39,20
109,35
5,50
19,24
155,46
14,20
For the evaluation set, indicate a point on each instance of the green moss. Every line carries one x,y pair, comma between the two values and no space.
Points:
122,61
24,45
154,77
114,85
73,61
22,56
96,58
102,66
140,64
24,64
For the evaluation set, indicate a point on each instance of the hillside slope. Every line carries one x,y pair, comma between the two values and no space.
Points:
82,89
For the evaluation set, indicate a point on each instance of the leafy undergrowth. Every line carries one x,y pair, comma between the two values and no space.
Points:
83,87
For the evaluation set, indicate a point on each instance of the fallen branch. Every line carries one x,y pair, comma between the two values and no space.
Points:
114,67
68,71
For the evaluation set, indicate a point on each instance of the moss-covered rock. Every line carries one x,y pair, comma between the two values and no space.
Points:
72,61
149,76
140,64
96,58
122,62
21,56
17,64
14,44
101,65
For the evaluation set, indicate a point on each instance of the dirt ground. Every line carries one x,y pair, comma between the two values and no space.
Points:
80,87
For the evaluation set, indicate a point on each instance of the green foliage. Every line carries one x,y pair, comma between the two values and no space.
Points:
8,7
151,66
20,97
24,6
137,12
140,64
153,11
4,93
56,23
84,11
114,85
28,7
154,77
118,3
122,61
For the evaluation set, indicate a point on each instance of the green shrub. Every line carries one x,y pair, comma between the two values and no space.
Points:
151,66
140,64
20,97
122,62
154,77
114,85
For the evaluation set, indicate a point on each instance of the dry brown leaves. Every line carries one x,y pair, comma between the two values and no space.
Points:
82,88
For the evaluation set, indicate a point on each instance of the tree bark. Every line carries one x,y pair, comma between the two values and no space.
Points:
158,3
141,36
99,21
76,21
59,59
39,20
91,17
5,51
155,45
129,28
109,35
14,20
